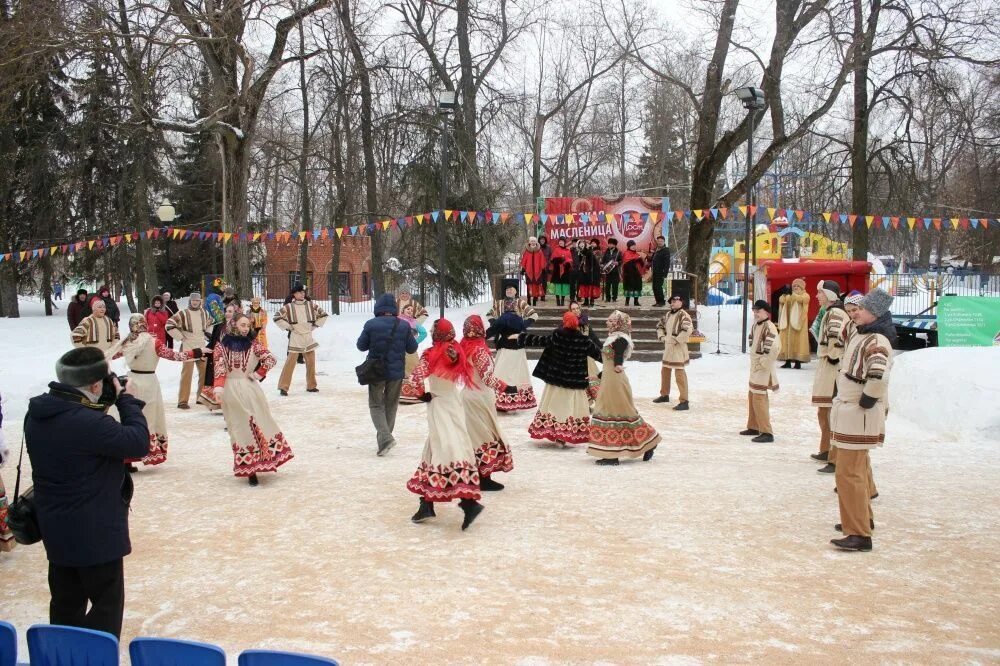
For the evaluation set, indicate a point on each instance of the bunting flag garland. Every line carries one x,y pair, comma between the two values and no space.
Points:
472,217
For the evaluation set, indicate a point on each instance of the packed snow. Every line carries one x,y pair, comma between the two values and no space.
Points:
715,551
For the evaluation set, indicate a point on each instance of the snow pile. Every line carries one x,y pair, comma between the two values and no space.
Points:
952,391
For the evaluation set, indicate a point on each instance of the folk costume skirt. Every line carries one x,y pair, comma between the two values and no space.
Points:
616,429
511,367
258,444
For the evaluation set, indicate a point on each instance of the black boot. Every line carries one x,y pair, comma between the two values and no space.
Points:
749,431
788,364
662,398
472,509
252,480
425,511
648,455
828,468
840,528
821,457
764,437
853,542
682,406
132,469
487,484
607,461
798,365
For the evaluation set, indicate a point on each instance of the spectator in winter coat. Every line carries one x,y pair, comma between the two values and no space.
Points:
380,340
172,308
82,488
113,313
77,309
156,319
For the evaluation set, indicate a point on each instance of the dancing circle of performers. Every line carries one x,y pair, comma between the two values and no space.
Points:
587,397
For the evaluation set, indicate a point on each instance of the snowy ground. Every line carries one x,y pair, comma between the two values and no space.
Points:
716,551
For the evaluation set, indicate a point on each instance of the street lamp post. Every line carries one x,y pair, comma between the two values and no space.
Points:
753,100
446,104
167,214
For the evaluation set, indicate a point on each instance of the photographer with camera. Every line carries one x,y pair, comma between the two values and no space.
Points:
82,488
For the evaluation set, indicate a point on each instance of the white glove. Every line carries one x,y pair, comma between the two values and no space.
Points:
4,451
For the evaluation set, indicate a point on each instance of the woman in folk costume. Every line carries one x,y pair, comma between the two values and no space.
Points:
590,271
258,321
793,325
240,365
543,244
448,469
411,393
479,398
632,268
560,269
533,269
511,361
206,394
564,414
616,429
593,372
142,352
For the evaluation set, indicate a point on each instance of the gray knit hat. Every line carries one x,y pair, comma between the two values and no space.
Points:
82,367
876,301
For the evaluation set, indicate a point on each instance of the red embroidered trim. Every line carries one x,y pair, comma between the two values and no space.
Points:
494,457
572,431
444,483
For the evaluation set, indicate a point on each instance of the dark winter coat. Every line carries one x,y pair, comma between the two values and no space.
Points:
375,339
883,326
501,328
564,357
612,254
82,486
114,314
76,311
171,307
661,260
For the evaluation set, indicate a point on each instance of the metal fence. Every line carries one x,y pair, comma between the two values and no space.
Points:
354,292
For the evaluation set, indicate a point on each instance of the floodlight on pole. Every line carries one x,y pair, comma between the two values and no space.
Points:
753,100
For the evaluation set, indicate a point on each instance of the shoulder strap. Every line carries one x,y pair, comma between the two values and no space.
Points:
20,456
392,336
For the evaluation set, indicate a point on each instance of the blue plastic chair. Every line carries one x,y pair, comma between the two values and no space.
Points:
171,652
8,644
273,658
53,645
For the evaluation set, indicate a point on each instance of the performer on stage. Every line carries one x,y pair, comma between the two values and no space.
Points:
411,393
543,243
590,272
448,469
479,399
793,325
616,429
533,270
206,394
240,364
142,353
560,271
611,267
564,413
632,266
512,316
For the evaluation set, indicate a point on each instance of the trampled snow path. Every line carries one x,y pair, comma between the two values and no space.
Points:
716,551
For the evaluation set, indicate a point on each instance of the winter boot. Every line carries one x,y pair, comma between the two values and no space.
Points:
749,431
788,364
282,392
828,468
425,511
763,438
682,406
840,528
853,542
252,480
486,484
648,455
607,462
472,509
798,365
132,469
661,399
821,457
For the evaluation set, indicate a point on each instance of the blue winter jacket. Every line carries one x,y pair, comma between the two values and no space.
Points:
82,485
374,339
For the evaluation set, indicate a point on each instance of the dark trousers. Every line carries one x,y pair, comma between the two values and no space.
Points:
383,401
658,279
610,288
101,585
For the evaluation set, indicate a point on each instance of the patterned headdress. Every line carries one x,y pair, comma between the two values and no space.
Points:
854,298
830,288
619,322
445,358
136,325
443,331
473,327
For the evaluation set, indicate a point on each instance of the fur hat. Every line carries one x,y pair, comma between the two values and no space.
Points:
799,282
81,292
876,301
82,367
830,288
762,305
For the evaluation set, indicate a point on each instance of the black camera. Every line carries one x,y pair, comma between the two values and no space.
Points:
108,393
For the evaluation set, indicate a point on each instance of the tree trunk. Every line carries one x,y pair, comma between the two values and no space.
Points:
859,140
304,167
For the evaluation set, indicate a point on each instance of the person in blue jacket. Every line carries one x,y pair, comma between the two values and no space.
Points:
379,340
82,487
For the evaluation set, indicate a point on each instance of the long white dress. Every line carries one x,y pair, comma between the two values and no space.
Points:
258,444
142,355
492,451
448,468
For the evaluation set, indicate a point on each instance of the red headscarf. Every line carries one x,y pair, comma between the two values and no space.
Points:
570,321
473,336
445,357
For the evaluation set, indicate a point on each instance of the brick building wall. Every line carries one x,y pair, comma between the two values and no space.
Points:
282,265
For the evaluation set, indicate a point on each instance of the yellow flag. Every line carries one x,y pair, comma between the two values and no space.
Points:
340,232
743,211
226,236
420,218
90,245
385,224
826,216
954,223
697,213
654,216
770,213
52,250
910,222
868,220
447,214
527,218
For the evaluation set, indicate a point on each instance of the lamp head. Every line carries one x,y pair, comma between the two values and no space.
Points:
166,211
447,100
752,98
